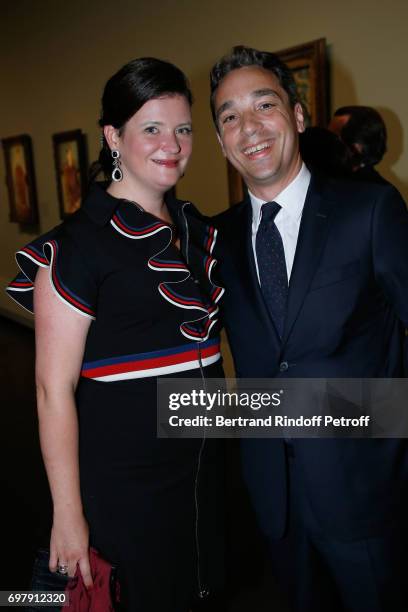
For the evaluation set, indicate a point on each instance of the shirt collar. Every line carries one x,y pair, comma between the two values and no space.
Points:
291,199
99,205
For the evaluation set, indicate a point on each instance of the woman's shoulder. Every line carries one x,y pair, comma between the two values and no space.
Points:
71,233
68,251
73,274
85,225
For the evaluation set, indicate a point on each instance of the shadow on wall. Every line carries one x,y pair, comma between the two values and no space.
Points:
340,81
395,149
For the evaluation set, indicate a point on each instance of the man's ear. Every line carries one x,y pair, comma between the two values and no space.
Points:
112,136
299,117
221,144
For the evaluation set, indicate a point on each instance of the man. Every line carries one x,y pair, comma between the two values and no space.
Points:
332,509
363,131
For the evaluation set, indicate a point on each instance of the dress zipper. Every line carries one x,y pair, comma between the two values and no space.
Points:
202,591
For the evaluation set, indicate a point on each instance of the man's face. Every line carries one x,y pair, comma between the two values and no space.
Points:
258,129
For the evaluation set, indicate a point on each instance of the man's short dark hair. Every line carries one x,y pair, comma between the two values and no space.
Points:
241,57
367,128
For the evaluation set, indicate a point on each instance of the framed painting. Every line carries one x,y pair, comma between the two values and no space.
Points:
308,63
309,67
20,179
70,169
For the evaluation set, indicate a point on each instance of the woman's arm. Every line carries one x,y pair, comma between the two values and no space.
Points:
60,342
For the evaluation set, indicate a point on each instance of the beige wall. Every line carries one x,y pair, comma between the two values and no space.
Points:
56,56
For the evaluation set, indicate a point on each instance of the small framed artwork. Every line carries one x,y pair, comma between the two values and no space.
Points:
20,179
71,169
308,63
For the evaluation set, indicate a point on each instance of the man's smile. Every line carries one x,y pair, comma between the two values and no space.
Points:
257,151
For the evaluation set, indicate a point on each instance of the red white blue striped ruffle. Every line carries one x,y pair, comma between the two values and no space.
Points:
166,265
33,254
199,328
177,299
65,293
124,228
28,259
21,283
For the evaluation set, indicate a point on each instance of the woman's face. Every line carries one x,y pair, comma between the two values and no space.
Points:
156,143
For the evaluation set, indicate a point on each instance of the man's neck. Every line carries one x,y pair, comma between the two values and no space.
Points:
269,192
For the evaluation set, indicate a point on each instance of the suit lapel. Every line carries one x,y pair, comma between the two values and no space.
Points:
312,237
244,256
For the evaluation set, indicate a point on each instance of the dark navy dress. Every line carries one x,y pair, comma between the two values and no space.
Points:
149,502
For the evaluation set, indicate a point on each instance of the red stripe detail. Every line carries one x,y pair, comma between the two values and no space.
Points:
136,233
207,264
165,265
180,301
22,284
209,241
192,332
216,293
37,257
64,294
195,333
149,364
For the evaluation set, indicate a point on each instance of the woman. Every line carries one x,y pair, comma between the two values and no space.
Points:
123,294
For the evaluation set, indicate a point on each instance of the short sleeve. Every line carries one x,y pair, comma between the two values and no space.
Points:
71,274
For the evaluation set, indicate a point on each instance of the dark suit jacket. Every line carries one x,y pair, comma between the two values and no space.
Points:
347,307
368,174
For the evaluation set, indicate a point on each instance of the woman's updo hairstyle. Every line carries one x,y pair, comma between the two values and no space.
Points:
136,83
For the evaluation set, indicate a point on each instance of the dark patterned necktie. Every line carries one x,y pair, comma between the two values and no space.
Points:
270,256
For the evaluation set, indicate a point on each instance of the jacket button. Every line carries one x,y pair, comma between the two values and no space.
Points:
284,366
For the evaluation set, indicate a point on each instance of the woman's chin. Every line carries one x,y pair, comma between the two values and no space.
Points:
167,185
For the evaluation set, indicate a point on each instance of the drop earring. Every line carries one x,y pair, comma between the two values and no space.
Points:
117,174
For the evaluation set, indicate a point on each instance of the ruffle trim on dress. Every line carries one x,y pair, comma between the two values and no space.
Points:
177,292
29,259
193,290
20,290
127,230
70,298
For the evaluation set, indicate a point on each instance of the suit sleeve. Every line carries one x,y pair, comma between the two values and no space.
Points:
390,250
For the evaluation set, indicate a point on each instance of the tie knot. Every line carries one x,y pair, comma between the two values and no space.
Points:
270,210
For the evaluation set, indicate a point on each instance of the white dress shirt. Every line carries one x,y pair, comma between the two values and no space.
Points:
292,200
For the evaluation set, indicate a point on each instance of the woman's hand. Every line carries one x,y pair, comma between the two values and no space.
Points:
70,545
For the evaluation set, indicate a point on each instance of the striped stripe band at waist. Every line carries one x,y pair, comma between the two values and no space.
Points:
155,363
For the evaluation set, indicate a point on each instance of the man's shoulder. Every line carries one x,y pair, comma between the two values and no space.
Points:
231,214
343,191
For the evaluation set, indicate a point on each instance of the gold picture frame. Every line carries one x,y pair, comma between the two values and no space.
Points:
71,170
20,179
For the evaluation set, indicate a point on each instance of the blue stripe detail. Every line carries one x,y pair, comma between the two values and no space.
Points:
168,261
182,297
145,227
140,356
35,249
207,234
69,291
